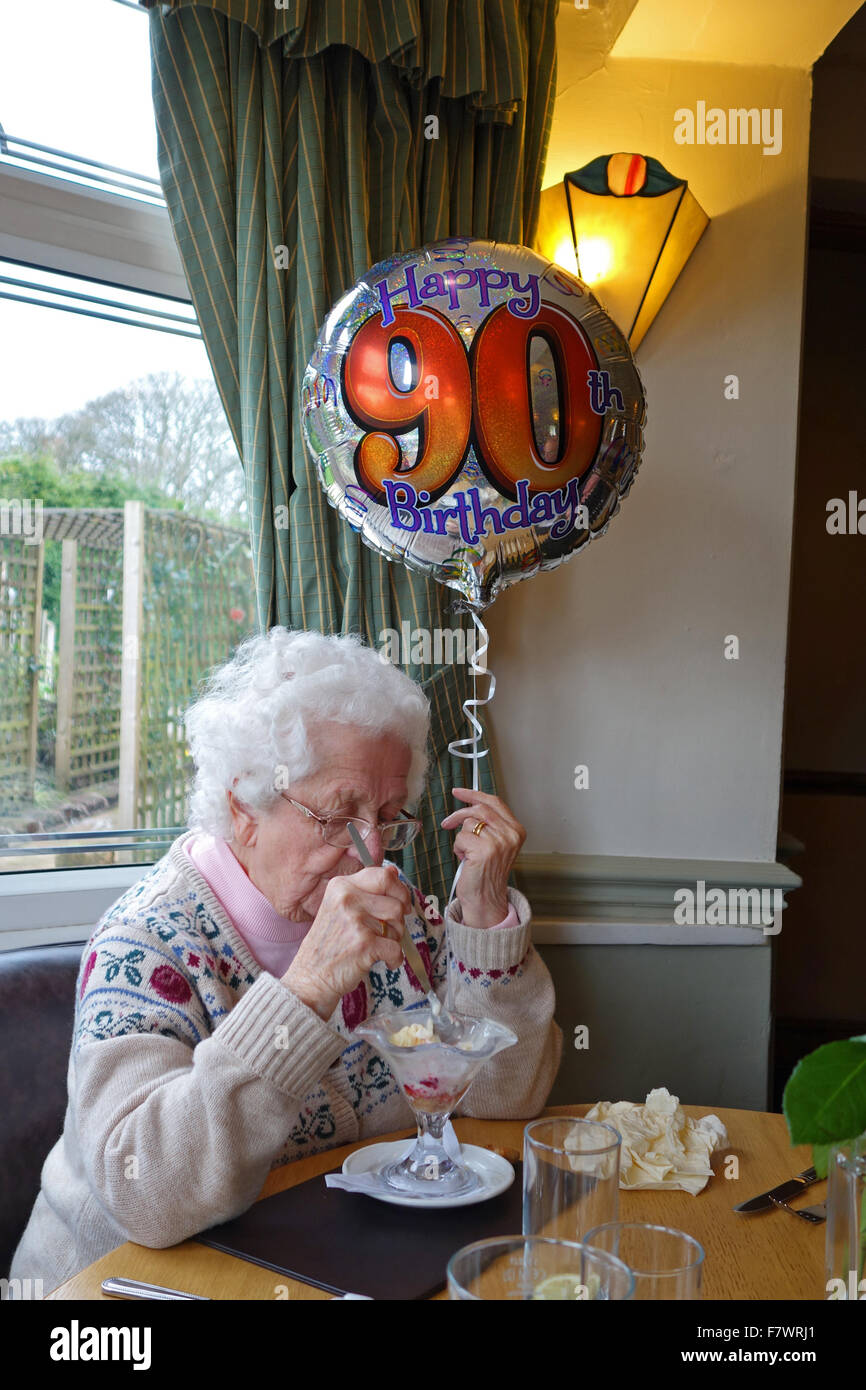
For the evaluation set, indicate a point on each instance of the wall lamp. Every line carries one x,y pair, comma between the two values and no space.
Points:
626,227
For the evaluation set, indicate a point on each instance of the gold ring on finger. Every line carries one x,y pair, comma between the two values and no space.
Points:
478,827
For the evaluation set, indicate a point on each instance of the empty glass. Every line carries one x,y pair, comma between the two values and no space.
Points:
666,1263
846,1220
531,1268
570,1176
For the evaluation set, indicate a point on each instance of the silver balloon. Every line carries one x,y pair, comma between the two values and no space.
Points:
474,413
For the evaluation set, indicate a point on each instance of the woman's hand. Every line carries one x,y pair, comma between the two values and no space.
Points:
487,858
346,937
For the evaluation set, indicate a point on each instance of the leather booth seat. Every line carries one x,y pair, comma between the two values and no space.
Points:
37,1010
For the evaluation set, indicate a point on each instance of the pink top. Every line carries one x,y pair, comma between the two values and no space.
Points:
273,939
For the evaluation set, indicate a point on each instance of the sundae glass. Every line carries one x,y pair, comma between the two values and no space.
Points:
435,1061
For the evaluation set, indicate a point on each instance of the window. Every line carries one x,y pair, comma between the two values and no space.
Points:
112,442
125,570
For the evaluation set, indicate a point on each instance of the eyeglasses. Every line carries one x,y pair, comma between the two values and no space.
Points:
395,834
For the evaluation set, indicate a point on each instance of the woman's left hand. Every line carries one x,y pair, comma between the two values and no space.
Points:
487,857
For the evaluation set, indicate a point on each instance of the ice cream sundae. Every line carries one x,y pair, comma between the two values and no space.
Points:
435,1075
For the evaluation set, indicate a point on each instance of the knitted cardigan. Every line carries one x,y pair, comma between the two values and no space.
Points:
193,1071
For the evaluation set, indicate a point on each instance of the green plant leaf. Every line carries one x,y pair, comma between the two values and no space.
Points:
825,1099
820,1157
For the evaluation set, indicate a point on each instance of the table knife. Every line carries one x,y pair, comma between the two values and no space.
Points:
132,1288
410,950
780,1193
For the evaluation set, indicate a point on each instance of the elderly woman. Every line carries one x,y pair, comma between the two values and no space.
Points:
216,997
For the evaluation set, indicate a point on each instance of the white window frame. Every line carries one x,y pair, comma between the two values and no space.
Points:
57,225
598,900
47,906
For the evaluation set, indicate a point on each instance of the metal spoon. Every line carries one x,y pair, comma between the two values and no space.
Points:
440,1017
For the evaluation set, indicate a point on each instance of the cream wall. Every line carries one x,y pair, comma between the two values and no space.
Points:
616,658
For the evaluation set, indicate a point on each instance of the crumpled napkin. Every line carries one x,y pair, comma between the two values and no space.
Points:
661,1147
369,1182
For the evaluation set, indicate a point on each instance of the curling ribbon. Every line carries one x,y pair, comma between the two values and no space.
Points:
478,668
468,747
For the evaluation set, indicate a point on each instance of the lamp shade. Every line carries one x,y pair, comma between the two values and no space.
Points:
627,227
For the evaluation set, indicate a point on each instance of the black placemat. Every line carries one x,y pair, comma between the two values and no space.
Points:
347,1242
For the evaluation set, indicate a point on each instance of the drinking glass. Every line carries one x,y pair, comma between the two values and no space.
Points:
570,1176
530,1268
666,1263
846,1220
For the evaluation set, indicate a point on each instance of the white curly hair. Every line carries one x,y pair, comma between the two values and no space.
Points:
254,718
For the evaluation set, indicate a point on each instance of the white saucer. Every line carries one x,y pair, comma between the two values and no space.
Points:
495,1172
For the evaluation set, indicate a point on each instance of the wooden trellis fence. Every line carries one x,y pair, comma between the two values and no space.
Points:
21,569
187,589
88,674
149,602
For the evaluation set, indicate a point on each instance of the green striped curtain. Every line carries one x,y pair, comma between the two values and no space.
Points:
303,127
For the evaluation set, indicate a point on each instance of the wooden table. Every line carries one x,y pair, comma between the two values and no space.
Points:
770,1255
